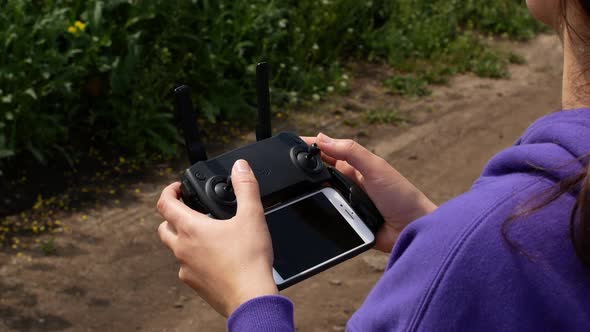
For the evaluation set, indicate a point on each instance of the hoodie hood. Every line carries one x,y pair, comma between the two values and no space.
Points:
555,146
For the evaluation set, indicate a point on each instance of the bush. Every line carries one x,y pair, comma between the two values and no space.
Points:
78,74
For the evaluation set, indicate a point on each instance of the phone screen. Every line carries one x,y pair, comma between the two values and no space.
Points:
308,233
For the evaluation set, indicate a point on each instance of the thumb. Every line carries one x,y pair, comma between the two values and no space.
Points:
350,151
246,190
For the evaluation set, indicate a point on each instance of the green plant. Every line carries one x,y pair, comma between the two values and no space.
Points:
78,74
466,53
384,116
516,59
48,247
411,85
92,80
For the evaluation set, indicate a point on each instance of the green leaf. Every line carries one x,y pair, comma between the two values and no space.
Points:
97,17
7,99
138,19
31,93
160,143
241,46
9,40
6,153
74,52
210,110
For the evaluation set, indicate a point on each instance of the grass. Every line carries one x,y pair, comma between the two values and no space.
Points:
466,54
408,85
516,59
48,247
384,116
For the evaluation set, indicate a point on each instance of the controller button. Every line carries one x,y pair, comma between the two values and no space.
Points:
200,176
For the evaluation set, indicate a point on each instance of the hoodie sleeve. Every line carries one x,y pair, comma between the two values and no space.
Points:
265,313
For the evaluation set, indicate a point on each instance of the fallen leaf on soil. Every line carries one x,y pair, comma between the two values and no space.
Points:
335,282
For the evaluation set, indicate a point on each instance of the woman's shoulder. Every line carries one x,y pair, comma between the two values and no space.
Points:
454,266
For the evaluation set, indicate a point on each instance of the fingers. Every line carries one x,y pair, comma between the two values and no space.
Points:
246,190
326,158
172,209
350,172
167,234
308,139
341,165
350,151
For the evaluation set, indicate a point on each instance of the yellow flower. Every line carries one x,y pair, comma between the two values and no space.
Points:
72,30
81,26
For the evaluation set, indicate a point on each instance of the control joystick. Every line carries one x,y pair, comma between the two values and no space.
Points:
306,159
221,190
225,191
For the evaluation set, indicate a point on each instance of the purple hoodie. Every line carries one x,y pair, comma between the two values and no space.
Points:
453,271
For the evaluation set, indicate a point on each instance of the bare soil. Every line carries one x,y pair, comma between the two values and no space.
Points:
110,272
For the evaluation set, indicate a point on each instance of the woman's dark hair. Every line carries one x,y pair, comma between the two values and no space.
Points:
585,4
579,222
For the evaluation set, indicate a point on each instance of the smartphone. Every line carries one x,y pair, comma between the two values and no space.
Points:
313,233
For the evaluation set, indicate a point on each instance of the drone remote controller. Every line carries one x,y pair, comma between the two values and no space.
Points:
284,165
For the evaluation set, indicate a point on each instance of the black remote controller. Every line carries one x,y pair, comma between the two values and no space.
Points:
284,165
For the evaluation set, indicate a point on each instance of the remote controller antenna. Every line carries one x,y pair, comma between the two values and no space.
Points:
263,129
188,122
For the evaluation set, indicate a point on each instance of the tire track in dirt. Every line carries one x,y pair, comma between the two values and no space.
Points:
110,272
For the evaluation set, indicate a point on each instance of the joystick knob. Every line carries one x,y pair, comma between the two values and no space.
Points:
224,190
307,159
313,150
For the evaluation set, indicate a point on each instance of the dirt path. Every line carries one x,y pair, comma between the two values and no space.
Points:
111,273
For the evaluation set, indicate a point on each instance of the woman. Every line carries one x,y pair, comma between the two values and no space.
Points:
502,256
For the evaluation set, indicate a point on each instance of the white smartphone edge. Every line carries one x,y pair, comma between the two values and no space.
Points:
347,213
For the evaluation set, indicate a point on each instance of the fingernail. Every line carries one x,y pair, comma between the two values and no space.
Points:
242,166
323,138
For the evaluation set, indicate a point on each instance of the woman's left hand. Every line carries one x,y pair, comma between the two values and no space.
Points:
227,262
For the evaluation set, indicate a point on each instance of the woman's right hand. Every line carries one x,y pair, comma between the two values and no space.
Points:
399,201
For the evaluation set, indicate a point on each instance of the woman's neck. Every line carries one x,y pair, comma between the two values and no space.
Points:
575,91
